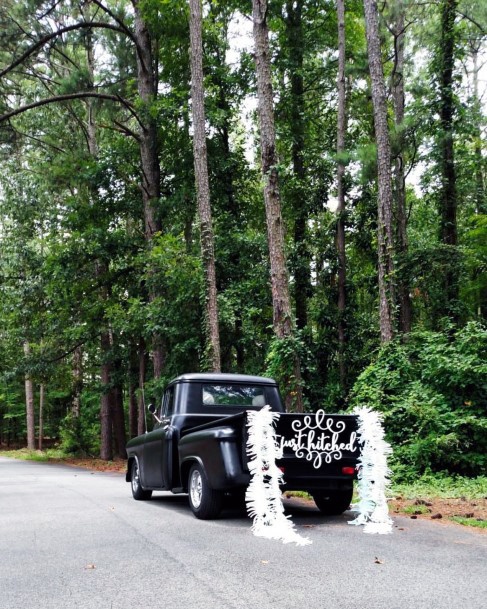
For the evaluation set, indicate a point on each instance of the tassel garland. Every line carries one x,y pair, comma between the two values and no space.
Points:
373,475
263,495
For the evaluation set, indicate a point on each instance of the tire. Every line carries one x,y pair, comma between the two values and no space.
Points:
205,502
334,502
138,492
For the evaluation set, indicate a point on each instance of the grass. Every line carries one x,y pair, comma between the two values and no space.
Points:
33,455
470,522
439,485
415,509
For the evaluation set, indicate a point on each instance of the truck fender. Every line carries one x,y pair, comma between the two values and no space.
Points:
128,475
186,466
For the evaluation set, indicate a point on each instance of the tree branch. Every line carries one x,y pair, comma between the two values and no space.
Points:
45,39
42,143
472,20
67,97
121,24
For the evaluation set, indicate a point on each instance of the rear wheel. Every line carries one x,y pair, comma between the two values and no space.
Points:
205,502
333,502
138,492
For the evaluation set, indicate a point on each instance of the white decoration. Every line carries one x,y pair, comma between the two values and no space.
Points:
373,475
263,496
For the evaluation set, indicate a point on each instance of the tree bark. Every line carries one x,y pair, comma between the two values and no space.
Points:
340,231
384,176
282,314
133,372
77,381
29,403
149,155
140,399
41,415
480,195
294,29
448,227
202,184
118,417
101,270
106,440
398,96
448,200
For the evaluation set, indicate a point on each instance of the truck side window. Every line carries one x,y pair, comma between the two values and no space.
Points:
168,408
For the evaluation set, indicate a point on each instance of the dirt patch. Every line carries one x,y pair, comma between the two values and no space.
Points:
97,465
437,508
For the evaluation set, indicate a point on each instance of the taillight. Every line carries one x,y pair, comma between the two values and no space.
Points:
348,471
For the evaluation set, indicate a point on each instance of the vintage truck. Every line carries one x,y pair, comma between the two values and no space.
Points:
198,445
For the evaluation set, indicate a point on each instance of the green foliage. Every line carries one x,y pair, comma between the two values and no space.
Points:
432,389
80,435
470,522
440,484
281,361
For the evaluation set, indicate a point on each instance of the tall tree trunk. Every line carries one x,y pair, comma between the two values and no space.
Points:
29,403
77,365
340,234
296,43
282,314
101,270
480,194
384,176
448,201
149,154
202,185
106,440
448,218
118,417
41,415
133,372
404,300
141,425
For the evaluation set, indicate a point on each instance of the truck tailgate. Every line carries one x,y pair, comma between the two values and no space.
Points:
317,447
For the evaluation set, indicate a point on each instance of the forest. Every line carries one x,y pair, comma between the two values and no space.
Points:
288,188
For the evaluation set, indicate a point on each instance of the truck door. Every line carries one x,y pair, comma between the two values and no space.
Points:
158,447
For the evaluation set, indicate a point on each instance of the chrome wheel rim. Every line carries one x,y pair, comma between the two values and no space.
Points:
135,479
196,488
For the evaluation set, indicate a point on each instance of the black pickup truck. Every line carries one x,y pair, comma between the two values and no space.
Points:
198,445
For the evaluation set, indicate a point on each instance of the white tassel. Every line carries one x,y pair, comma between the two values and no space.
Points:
373,475
263,496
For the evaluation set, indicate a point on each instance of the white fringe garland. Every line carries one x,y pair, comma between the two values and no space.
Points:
263,495
373,475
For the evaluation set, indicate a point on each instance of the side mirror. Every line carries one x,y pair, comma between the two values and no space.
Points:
152,409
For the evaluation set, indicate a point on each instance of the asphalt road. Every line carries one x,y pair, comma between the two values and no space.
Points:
74,539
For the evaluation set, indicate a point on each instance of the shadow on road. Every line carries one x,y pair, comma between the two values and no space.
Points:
234,512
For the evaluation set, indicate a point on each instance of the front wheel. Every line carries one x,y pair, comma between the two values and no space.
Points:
333,502
138,492
205,502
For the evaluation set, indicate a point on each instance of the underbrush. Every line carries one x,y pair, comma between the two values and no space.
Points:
444,486
33,455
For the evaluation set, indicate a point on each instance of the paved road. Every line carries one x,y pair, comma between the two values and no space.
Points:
57,523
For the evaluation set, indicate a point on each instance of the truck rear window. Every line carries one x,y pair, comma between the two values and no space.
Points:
233,395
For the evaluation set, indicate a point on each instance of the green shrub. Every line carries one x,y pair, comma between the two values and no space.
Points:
432,390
